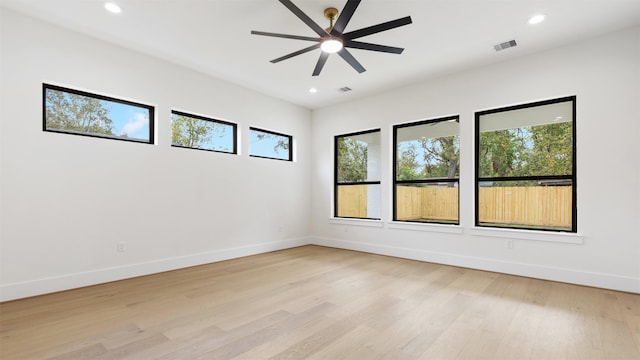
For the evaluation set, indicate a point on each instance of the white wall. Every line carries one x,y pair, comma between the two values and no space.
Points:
604,74
67,200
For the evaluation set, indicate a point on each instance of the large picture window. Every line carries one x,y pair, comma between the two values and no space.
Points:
270,145
525,166
357,175
199,132
426,171
80,113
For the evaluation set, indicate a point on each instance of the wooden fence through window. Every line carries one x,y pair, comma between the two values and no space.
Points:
534,206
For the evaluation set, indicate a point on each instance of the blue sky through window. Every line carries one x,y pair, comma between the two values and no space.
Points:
269,145
129,120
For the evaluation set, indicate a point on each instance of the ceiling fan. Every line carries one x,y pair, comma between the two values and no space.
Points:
334,39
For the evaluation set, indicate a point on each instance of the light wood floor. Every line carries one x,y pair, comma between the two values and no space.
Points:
320,303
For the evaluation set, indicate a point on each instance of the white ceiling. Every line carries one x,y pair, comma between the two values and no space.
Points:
213,37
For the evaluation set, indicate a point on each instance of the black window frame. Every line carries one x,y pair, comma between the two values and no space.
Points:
335,172
204,118
149,108
397,182
290,150
572,177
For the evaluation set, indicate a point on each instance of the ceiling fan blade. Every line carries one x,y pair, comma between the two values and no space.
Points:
302,16
346,55
344,17
296,53
372,47
295,37
320,64
378,28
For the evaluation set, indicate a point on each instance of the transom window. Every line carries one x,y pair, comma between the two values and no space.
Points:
525,166
202,133
78,112
270,145
427,170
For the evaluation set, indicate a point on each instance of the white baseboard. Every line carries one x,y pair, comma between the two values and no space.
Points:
605,281
42,286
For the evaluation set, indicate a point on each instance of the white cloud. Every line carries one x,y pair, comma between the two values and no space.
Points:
136,123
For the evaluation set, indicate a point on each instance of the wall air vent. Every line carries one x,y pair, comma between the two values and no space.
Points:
344,89
505,45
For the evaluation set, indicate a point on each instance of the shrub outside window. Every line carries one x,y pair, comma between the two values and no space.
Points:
270,145
525,166
81,113
427,170
202,133
357,175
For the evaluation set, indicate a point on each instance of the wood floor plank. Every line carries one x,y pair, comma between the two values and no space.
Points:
316,303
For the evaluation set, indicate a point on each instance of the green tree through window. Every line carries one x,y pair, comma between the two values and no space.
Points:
527,151
197,132
67,111
352,160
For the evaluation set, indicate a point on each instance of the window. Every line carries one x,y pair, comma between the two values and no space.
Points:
426,171
198,132
357,175
80,113
525,166
270,145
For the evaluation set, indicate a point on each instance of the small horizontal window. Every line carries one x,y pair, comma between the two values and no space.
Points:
270,145
80,113
198,132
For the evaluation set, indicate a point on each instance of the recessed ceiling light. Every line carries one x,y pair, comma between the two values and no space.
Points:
536,19
111,7
313,90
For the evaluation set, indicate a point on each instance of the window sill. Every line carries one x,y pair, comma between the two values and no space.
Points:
440,228
557,237
356,222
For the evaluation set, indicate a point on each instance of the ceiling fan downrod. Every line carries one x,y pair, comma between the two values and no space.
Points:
331,14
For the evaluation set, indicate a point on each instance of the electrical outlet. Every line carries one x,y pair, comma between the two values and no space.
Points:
121,247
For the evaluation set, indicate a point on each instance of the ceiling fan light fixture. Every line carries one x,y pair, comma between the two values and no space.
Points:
112,8
331,45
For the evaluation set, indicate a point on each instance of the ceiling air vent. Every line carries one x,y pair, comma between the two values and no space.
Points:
344,89
505,45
